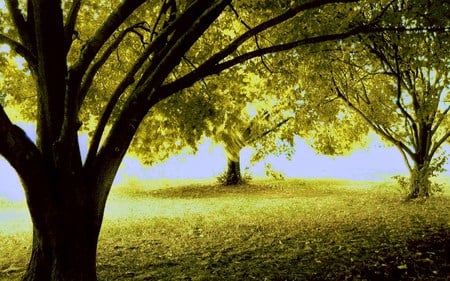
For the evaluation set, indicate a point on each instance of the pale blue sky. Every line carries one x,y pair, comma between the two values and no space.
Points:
376,162
373,163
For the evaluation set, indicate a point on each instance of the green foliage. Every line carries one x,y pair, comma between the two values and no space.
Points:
16,87
173,126
183,119
273,174
404,186
437,164
396,81
2,98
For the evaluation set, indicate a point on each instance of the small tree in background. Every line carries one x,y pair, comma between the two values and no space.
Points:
397,81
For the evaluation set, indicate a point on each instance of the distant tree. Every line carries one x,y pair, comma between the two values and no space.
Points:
218,110
398,82
75,53
236,133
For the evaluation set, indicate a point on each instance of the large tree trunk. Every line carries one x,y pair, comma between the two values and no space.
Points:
63,256
420,183
233,176
65,234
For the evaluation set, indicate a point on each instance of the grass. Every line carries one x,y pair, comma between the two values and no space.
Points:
268,230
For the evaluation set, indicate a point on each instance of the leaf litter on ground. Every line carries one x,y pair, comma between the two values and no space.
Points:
268,230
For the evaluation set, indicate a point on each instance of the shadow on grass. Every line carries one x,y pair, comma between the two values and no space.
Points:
267,189
212,191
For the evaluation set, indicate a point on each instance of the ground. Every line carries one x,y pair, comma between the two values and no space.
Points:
268,230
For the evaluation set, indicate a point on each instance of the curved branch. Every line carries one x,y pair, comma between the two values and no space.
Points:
119,91
256,35
169,6
212,66
405,159
438,143
185,28
20,151
93,46
270,130
440,120
382,131
71,21
28,161
290,13
129,79
399,95
93,69
110,155
19,21
20,49
159,42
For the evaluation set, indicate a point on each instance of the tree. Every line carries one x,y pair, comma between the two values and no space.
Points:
232,110
70,48
247,108
398,82
238,132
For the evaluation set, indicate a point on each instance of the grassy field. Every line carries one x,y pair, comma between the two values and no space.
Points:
268,230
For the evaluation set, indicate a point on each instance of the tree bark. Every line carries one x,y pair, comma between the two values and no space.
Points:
233,176
420,184
62,257
65,238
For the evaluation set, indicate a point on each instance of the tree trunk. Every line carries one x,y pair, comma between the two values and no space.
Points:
63,257
65,236
420,183
233,172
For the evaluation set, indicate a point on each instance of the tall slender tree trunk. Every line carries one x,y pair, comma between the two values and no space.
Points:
420,184
233,176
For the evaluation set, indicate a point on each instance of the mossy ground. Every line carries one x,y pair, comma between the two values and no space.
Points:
268,230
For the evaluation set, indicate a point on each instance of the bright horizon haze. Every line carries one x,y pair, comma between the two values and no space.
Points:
375,162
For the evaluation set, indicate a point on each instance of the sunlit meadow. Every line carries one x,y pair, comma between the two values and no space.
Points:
173,221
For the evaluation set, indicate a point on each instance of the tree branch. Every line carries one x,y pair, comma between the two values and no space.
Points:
71,21
28,161
438,143
440,120
290,13
212,66
20,50
197,18
158,69
270,130
93,68
93,46
155,46
20,152
19,22
380,130
119,91
405,159
256,35
167,5
398,102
